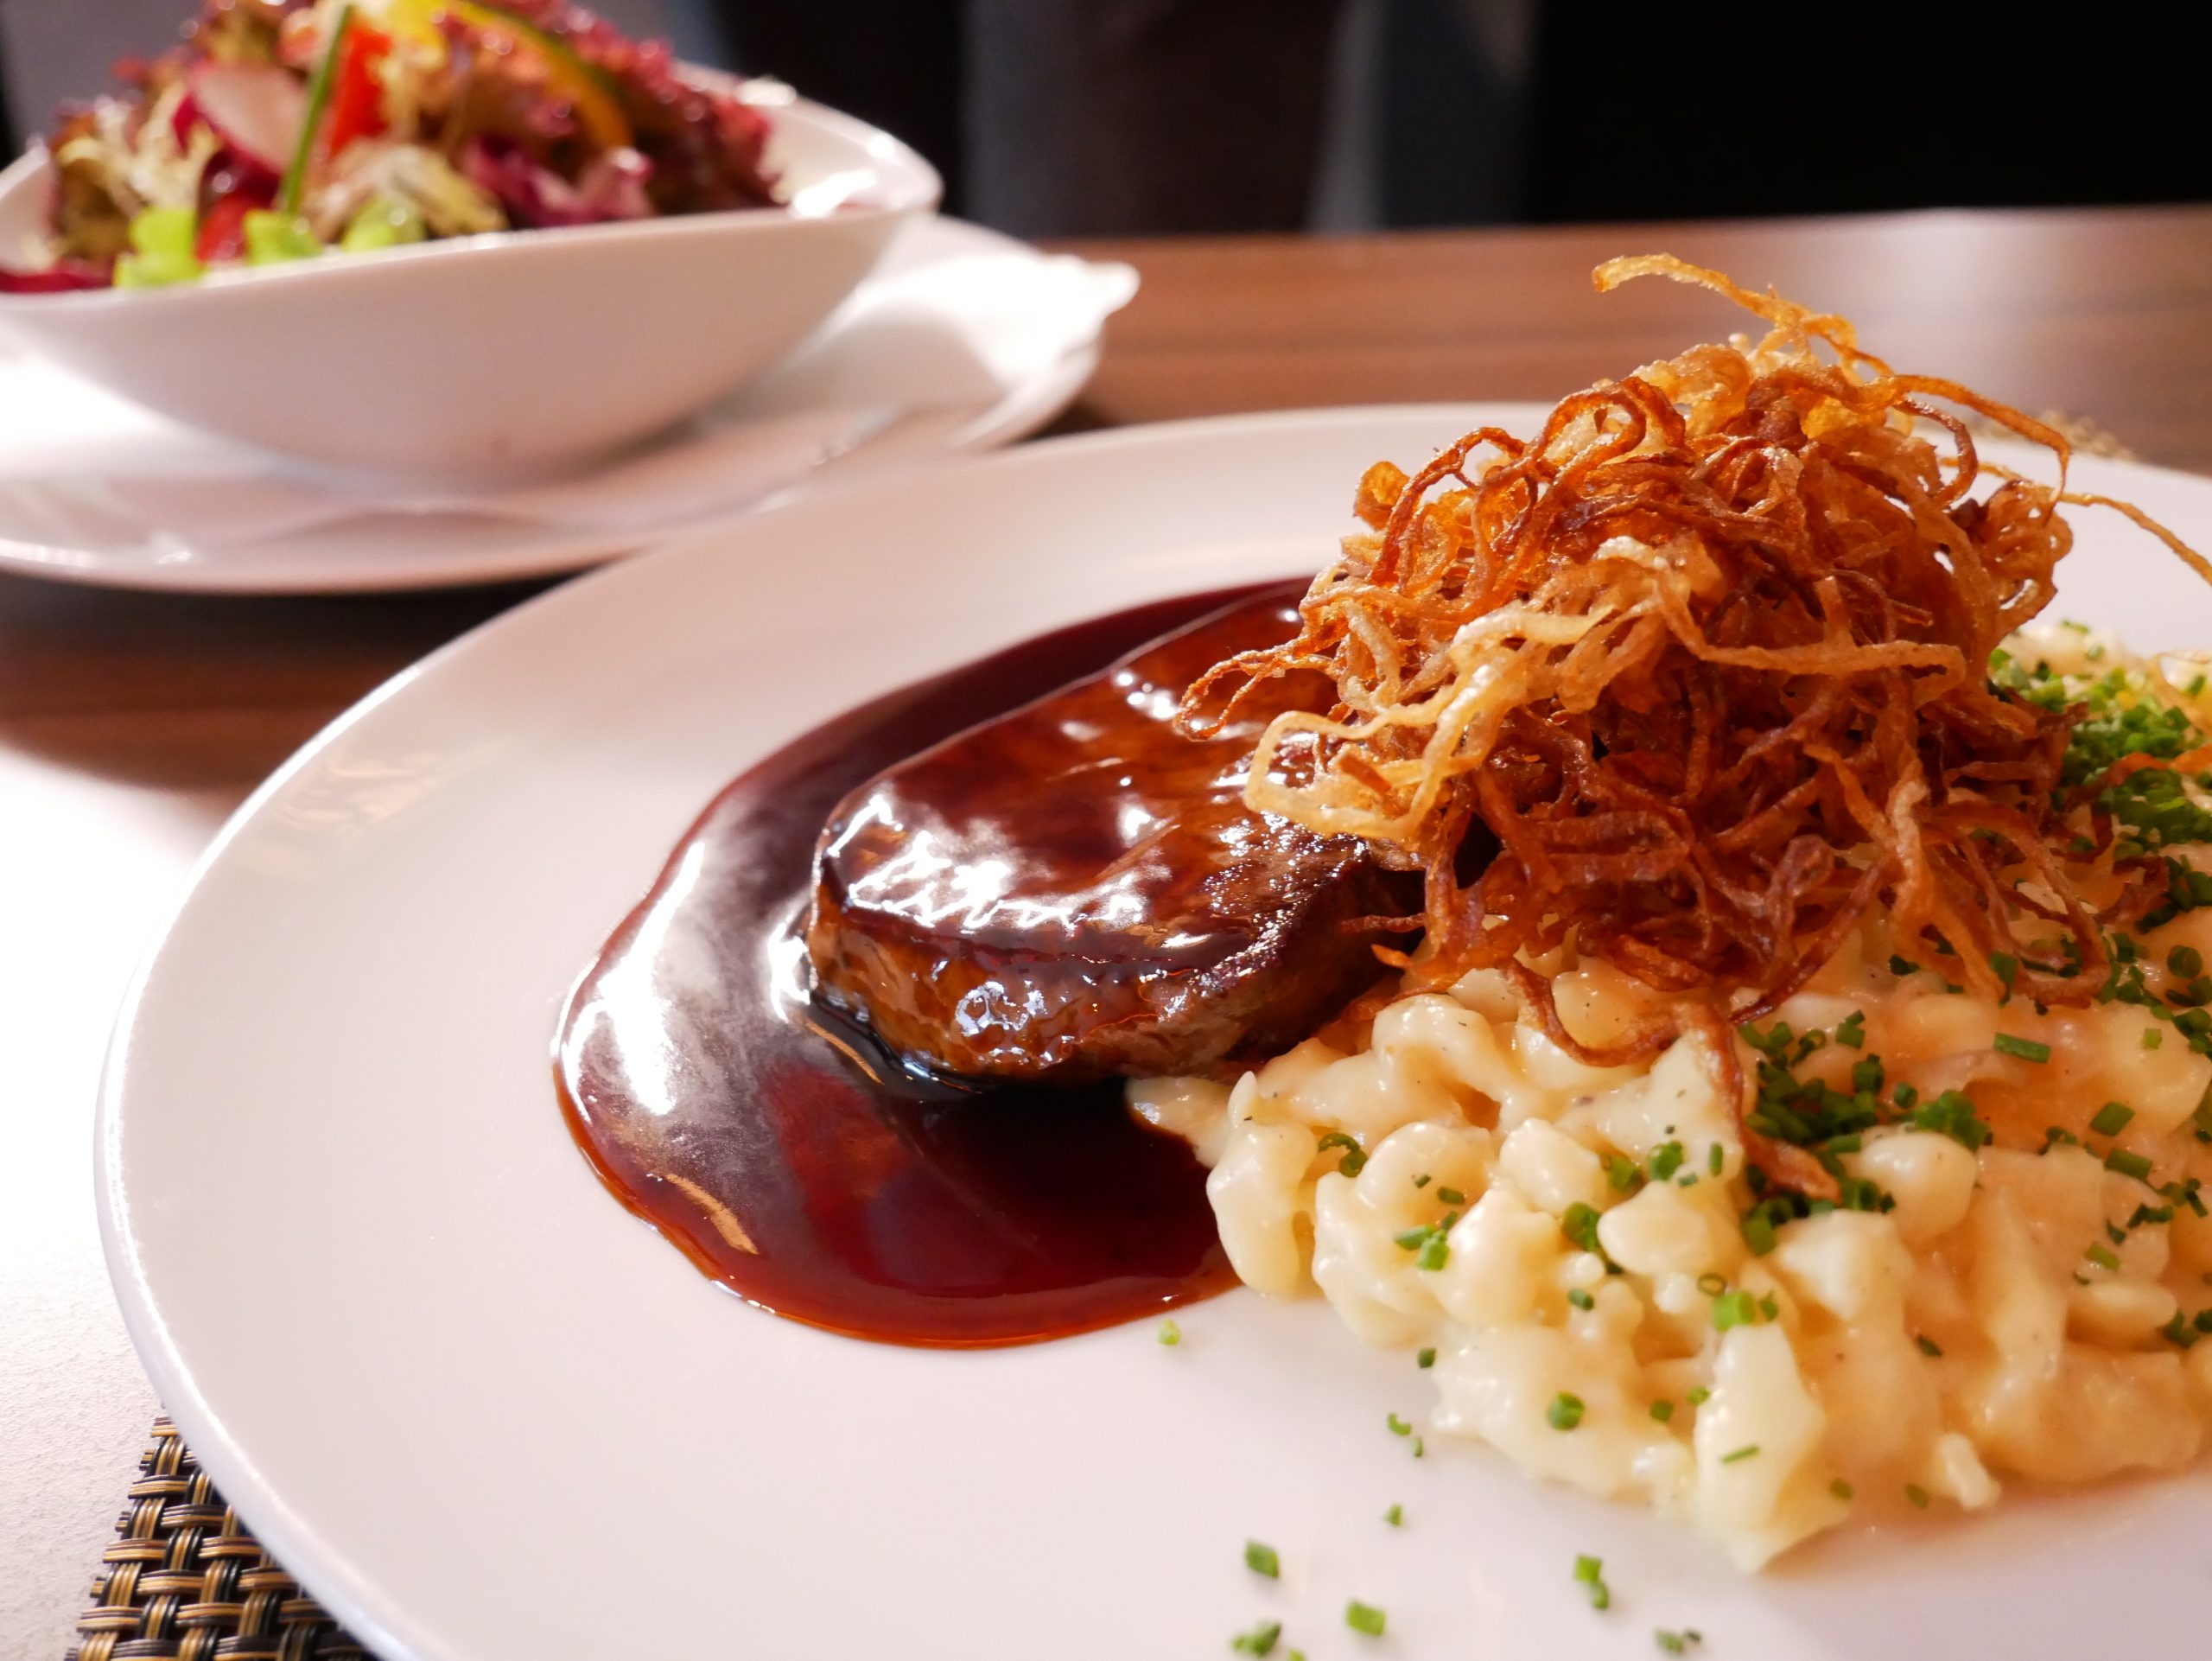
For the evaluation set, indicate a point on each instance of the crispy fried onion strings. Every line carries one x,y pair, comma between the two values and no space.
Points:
1707,657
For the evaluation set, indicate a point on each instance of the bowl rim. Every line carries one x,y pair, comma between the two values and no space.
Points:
888,157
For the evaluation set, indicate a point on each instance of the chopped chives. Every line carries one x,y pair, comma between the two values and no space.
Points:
1665,1159
1355,1159
1716,1159
1170,1334
1713,1284
1903,965
1420,1447
1395,1516
1851,1031
1927,1345
1452,1196
1736,1309
1677,1642
1698,1396
1952,1114
2112,1119
1580,1299
2101,1256
1843,1491
1759,1232
1398,1426
1749,1450
1918,1494
2128,1164
2027,1049
2008,969
1564,1412
1435,1254
1364,1618
2152,1038
1262,1559
1261,1640
1663,1411
1580,1223
1591,1572
1621,1172
1423,1180
1425,1359
2186,961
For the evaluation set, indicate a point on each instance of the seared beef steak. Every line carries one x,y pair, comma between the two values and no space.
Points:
1075,890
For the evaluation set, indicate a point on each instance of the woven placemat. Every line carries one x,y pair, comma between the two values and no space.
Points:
185,1580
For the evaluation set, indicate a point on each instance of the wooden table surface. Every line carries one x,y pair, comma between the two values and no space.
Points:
130,725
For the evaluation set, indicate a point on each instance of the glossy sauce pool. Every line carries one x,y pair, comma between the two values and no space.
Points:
785,1160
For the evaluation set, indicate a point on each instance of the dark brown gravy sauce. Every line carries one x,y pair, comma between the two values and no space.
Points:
786,1159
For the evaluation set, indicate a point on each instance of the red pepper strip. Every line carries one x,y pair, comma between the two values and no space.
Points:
222,229
357,99
64,277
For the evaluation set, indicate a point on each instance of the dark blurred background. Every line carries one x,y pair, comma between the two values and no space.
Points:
1064,118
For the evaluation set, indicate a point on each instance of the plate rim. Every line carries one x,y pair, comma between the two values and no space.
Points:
379,1618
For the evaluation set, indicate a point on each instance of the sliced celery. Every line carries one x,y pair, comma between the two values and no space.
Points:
272,239
386,222
165,232
157,271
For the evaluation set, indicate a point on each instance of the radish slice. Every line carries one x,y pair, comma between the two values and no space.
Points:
255,108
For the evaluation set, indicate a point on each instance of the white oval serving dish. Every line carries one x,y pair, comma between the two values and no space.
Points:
515,350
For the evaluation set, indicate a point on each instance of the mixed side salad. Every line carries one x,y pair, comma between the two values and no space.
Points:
285,130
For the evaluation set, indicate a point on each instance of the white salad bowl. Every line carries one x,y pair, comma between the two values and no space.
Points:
514,350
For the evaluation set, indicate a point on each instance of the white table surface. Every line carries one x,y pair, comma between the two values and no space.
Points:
88,867
131,726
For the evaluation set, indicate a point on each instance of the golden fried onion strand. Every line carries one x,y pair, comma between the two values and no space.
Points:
1707,656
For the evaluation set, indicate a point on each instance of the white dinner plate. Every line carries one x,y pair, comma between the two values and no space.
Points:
962,340
483,1413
